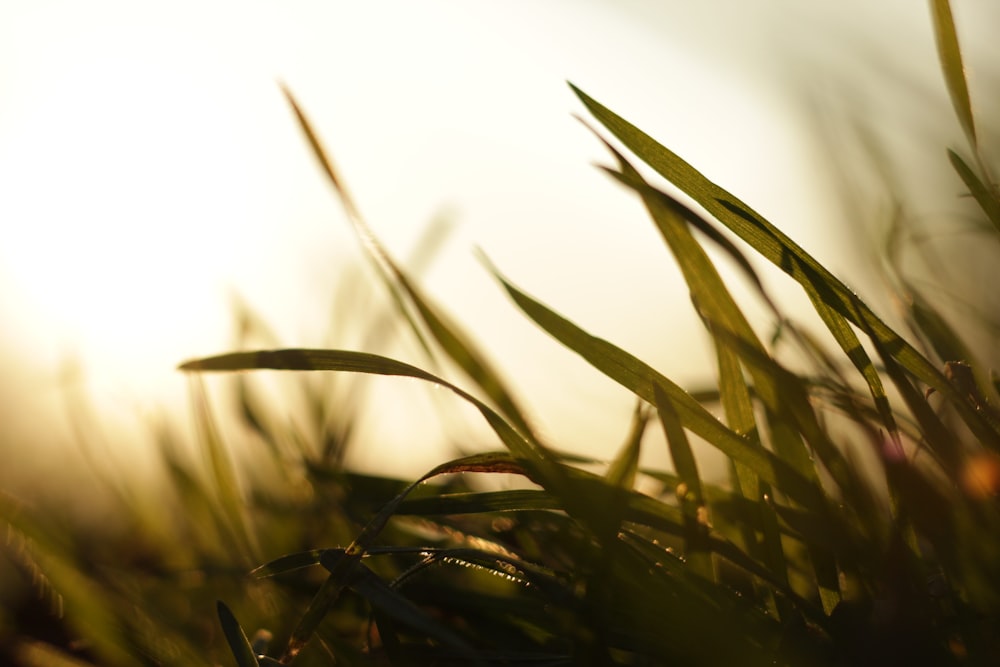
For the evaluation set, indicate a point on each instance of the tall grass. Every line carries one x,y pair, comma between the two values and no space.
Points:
800,558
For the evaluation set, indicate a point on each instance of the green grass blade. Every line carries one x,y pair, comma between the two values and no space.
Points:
951,64
227,489
623,468
680,450
689,494
459,347
716,304
85,604
455,343
238,642
987,197
784,397
288,563
373,250
938,437
851,345
784,253
400,608
734,394
640,378
362,362
945,341
713,298
480,502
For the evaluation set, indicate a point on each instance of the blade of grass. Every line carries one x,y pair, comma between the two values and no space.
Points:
362,362
713,299
80,600
784,253
224,474
457,345
392,603
738,408
689,493
621,472
341,360
480,502
237,639
987,198
951,64
373,250
640,378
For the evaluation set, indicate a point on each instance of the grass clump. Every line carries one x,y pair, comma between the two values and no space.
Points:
799,558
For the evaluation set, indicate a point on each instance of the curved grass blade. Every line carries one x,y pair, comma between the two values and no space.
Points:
639,510
784,396
987,198
951,64
715,303
456,344
689,493
360,362
738,408
639,378
507,567
936,330
479,502
373,249
288,563
780,250
623,468
237,639
343,360
224,474
391,602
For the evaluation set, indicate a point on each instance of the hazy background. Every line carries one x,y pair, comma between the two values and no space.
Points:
150,170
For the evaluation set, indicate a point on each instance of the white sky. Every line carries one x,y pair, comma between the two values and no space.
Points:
149,167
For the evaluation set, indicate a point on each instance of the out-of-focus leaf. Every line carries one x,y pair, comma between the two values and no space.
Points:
41,654
238,642
945,341
940,439
76,597
951,64
224,474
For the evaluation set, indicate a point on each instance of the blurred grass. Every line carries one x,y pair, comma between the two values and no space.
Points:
800,557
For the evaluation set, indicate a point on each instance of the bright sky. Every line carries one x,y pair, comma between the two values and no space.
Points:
149,169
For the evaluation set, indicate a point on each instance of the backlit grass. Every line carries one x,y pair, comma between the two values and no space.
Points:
800,558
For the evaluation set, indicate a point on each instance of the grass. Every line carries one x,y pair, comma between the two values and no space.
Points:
800,558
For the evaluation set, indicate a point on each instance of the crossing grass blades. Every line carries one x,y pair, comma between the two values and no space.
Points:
801,558
798,560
